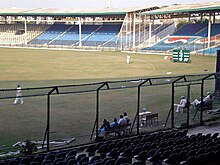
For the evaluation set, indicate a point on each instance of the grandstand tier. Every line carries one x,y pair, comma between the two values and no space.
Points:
163,147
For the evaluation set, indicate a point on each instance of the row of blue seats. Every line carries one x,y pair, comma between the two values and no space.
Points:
96,33
190,29
211,51
215,29
198,30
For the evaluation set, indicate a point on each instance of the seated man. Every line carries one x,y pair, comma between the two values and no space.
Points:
122,121
183,103
126,117
114,123
207,100
104,127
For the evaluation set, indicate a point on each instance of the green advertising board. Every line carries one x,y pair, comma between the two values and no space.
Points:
181,55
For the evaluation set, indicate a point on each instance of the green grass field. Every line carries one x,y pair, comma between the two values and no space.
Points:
74,115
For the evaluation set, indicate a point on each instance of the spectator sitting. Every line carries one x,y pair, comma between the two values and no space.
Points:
114,123
105,125
122,121
126,117
207,100
182,104
196,102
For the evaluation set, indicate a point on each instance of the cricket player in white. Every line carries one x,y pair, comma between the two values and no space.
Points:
18,95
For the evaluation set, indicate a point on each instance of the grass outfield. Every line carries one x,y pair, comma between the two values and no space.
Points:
24,65
74,115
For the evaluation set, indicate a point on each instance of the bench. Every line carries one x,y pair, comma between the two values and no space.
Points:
149,120
119,130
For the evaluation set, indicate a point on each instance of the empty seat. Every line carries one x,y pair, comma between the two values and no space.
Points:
91,149
190,161
141,156
45,162
13,162
25,161
215,135
155,159
79,157
50,156
34,163
71,153
120,161
172,159
57,160
38,158
83,160
61,155
71,161
61,162
94,158
110,162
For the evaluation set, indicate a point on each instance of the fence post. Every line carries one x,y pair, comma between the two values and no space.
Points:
47,132
188,102
48,121
96,124
202,93
138,104
172,99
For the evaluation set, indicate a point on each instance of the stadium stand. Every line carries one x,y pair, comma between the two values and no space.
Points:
157,31
92,35
71,36
190,37
167,147
106,36
191,29
11,33
51,33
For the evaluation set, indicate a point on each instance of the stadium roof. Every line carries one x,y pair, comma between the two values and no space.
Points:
190,8
69,12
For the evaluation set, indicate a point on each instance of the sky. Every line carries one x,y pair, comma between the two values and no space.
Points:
92,3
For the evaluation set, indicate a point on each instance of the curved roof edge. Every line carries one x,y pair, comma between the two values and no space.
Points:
69,12
211,6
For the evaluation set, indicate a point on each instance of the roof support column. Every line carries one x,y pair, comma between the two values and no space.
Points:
209,30
130,30
121,45
126,33
213,20
201,18
25,31
145,18
139,30
80,33
134,29
150,33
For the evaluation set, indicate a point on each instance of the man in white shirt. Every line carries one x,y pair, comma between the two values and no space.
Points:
182,104
18,95
122,121
207,99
